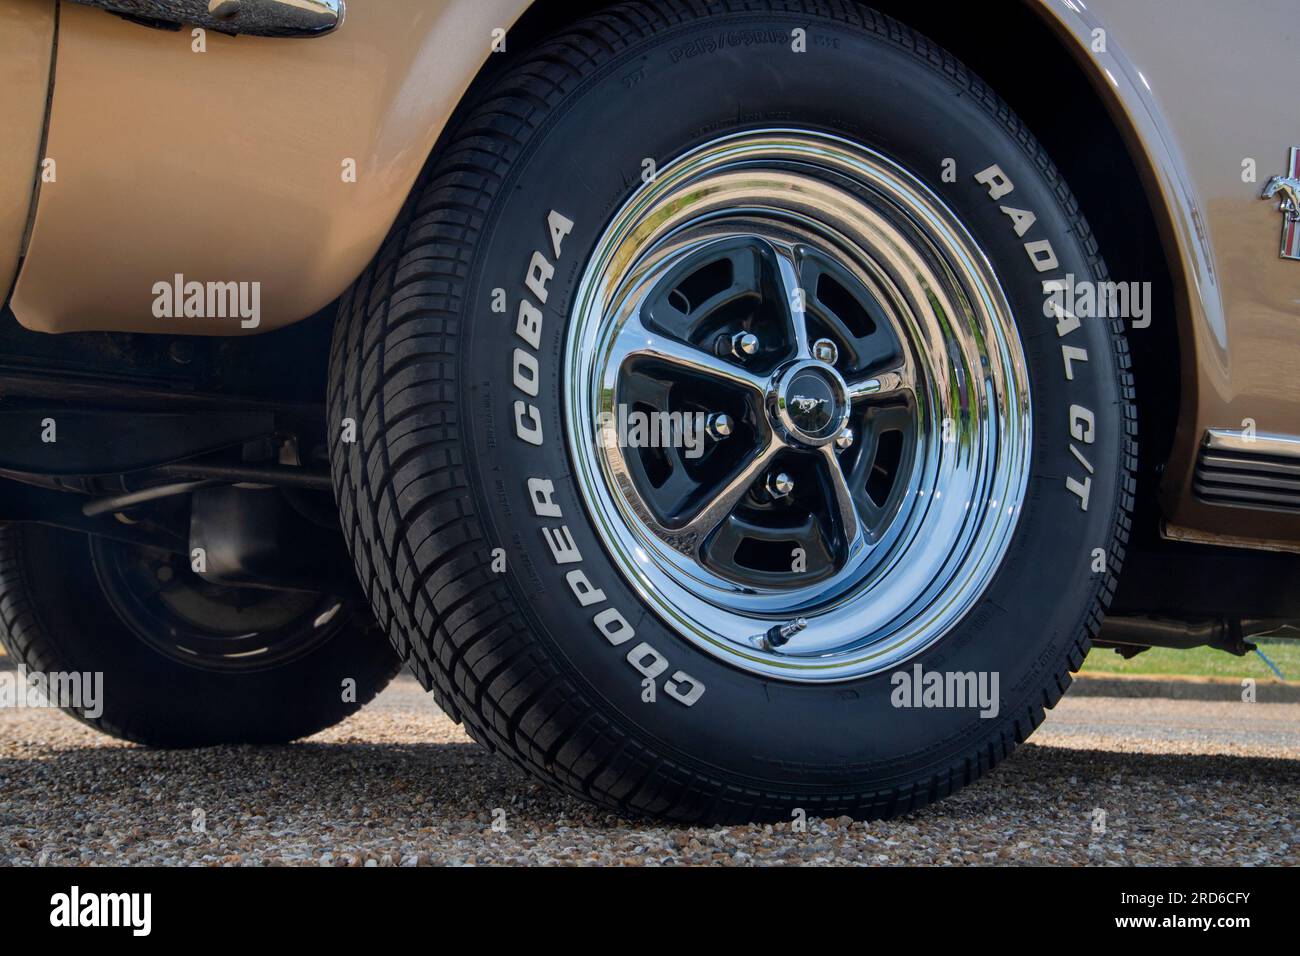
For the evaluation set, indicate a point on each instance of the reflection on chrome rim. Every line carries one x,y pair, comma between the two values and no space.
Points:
866,399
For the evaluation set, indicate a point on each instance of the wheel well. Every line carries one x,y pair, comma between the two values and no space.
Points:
1049,90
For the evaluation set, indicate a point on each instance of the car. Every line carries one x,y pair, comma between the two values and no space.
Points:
725,409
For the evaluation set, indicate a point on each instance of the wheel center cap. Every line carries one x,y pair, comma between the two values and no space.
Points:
808,403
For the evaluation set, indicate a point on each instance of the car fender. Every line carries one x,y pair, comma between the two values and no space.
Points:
232,164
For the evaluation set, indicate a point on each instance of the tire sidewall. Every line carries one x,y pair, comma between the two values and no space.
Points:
584,162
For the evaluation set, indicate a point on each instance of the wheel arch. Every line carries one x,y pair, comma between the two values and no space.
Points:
1099,121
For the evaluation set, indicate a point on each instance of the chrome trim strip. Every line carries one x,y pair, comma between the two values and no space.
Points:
1239,470
1247,498
1226,482
1256,445
1231,462
1213,478
263,18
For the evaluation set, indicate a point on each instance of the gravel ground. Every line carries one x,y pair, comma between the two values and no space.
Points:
1179,782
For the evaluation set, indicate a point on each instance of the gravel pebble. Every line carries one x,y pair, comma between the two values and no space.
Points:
400,785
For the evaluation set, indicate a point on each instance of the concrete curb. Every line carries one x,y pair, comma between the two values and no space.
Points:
1173,687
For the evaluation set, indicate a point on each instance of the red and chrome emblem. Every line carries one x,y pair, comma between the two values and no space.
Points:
1286,189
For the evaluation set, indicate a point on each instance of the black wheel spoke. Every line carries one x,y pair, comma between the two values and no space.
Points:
877,466
840,308
842,503
704,298
772,553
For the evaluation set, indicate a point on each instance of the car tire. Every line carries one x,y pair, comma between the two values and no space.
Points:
507,559
167,664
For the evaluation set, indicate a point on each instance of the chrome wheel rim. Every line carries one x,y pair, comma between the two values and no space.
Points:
884,386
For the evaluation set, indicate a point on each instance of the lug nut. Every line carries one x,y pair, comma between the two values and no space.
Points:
719,426
741,345
824,350
779,484
844,439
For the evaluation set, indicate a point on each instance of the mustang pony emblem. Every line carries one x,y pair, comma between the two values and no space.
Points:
1288,189
806,405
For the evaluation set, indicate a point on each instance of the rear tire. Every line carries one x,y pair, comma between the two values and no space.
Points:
479,531
66,608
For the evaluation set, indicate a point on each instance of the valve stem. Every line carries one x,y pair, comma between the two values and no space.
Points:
780,634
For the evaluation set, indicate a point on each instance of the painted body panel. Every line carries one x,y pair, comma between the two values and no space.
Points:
26,51
1194,104
227,165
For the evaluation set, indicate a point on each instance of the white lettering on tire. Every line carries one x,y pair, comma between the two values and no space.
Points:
1043,256
525,377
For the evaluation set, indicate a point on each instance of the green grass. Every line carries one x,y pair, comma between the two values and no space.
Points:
1201,662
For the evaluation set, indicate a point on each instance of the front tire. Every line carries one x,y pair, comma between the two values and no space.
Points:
584,622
